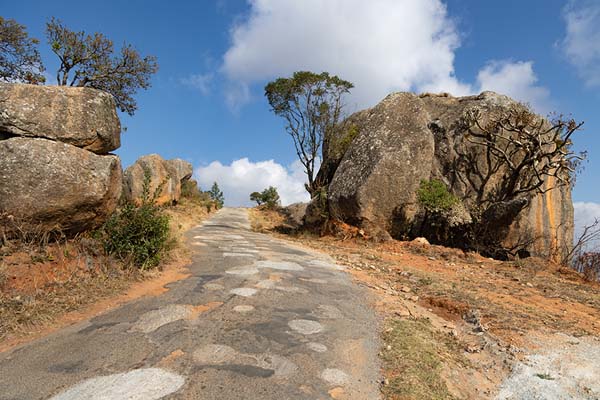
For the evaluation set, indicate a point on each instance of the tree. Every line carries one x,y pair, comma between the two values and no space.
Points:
312,107
89,61
19,57
216,195
508,156
269,197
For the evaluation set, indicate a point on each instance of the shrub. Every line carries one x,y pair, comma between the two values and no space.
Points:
268,197
138,234
434,196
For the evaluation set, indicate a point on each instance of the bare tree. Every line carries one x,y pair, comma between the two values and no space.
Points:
506,157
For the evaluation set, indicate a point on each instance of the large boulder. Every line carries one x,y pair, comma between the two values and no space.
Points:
56,186
168,173
408,138
82,117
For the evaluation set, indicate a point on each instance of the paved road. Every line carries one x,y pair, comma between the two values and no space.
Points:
257,319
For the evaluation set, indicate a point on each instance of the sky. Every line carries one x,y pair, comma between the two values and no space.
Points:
206,103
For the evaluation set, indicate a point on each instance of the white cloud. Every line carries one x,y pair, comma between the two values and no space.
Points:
200,82
381,46
582,41
585,215
514,79
243,177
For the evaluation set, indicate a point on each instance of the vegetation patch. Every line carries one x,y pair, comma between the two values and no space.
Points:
413,358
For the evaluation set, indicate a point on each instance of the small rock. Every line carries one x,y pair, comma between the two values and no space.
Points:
405,289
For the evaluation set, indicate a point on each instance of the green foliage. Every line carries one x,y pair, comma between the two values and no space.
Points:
19,57
138,234
312,106
88,60
191,191
268,197
434,196
216,195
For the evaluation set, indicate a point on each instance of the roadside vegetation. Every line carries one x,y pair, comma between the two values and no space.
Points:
44,276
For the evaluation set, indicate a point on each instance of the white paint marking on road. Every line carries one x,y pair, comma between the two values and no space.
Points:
305,326
317,347
243,308
244,292
139,384
335,376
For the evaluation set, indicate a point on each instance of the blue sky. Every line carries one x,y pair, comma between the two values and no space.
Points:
206,103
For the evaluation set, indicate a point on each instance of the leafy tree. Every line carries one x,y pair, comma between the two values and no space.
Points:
216,195
312,107
89,60
269,197
19,58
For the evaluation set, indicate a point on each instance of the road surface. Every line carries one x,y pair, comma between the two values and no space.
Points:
257,319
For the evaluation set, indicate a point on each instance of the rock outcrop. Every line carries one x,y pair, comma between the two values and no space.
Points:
58,186
55,173
408,138
82,117
168,173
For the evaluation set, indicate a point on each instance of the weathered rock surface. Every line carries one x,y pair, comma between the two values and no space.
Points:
409,138
82,117
57,186
169,173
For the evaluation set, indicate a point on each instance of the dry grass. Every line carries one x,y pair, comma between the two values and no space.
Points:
41,281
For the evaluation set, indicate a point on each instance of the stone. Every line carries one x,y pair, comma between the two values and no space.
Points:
56,186
335,376
407,138
305,326
139,384
82,117
295,213
168,173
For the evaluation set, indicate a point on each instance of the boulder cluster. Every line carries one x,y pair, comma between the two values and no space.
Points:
56,169
169,175
374,170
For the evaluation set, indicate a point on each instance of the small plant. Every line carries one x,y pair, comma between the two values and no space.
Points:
434,196
268,197
138,234
216,195
546,377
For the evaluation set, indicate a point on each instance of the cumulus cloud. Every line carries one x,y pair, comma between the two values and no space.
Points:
585,215
381,46
582,41
243,177
514,79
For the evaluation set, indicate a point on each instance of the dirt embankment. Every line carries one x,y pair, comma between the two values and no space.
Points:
458,325
44,287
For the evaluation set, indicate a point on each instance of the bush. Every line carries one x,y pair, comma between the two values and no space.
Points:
434,196
268,197
138,234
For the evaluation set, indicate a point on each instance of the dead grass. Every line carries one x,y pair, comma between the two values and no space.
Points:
414,355
40,282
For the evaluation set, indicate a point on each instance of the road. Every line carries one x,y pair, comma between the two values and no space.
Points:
257,318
